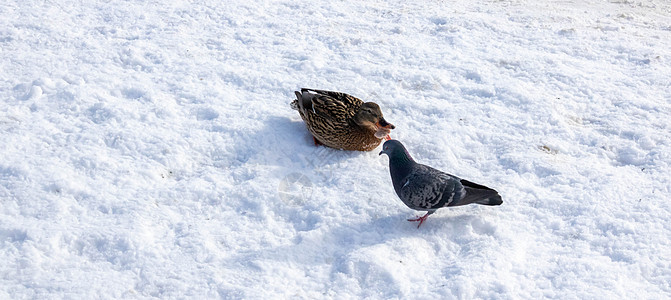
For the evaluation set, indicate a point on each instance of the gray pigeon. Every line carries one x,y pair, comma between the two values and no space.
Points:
424,188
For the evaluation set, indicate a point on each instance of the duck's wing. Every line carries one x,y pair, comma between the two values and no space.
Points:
333,106
349,101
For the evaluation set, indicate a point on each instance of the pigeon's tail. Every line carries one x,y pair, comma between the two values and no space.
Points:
480,194
493,200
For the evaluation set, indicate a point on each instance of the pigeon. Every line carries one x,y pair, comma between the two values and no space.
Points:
424,188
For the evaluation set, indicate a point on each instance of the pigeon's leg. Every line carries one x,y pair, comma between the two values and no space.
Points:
386,138
317,142
422,218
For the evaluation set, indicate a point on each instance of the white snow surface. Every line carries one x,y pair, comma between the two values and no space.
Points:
148,149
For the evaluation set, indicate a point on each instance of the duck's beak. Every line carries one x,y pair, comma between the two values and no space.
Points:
382,123
383,128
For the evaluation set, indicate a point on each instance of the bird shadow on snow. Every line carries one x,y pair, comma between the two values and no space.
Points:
268,144
287,143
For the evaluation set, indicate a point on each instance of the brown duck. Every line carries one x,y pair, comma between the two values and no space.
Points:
341,121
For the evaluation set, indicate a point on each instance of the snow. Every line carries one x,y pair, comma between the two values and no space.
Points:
148,149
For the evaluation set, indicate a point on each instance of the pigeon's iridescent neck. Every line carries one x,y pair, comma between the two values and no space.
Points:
400,165
401,157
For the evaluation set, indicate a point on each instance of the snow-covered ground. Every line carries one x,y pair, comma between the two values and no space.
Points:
147,149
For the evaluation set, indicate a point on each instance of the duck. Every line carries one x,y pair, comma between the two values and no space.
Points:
341,121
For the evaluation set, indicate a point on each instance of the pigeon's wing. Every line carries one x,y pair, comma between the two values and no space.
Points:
426,188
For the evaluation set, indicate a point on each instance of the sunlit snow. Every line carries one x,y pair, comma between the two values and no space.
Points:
147,149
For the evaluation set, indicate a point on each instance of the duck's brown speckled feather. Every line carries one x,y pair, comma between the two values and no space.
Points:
328,116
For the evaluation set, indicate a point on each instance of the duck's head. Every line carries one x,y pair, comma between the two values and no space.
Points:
370,116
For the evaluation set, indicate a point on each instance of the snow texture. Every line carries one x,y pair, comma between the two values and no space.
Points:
149,150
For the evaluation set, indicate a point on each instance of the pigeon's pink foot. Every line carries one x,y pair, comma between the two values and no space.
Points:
386,138
420,219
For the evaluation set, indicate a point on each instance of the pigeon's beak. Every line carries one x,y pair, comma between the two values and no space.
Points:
383,152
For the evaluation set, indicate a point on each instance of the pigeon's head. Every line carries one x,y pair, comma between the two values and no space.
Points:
370,116
395,150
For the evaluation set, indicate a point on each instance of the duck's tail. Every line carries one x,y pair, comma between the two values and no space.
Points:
294,104
303,100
